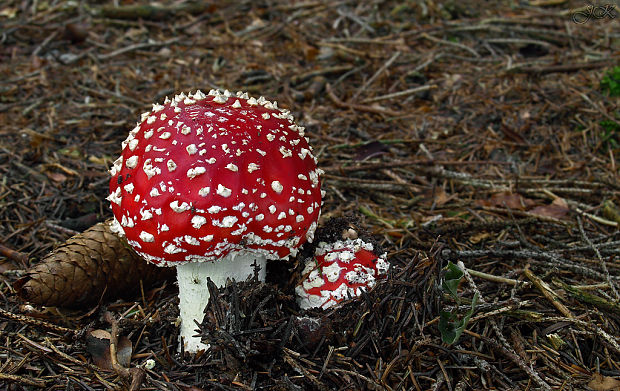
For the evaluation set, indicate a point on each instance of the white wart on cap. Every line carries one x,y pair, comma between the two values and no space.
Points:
339,271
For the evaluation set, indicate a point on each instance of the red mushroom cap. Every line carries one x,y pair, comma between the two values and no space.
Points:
338,271
202,176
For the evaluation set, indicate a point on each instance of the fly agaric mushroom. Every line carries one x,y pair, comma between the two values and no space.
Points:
338,271
215,185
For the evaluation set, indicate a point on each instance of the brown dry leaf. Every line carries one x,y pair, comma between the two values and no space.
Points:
479,237
98,345
191,388
436,196
9,12
370,150
509,200
441,197
103,160
76,32
6,265
56,177
310,51
557,209
604,383
89,266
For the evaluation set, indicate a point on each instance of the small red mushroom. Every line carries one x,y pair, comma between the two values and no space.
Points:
214,184
338,271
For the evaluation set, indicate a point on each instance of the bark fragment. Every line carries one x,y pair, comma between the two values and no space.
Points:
89,266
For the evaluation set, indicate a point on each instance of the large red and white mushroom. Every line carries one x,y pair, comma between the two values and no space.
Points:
215,185
338,271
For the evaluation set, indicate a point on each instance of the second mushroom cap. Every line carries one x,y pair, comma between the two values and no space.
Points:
339,271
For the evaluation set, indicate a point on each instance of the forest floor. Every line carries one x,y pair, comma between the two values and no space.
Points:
478,144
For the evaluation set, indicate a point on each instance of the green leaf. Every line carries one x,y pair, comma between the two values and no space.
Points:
610,83
611,126
451,327
451,279
611,133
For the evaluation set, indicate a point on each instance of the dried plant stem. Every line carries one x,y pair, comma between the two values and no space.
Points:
547,292
150,12
584,297
137,46
525,68
598,219
519,41
374,77
399,94
17,256
135,375
5,377
36,322
371,183
612,340
52,346
500,279
356,166
320,72
450,43
547,257
602,262
581,188
368,109
504,346
290,360
503,309
118,368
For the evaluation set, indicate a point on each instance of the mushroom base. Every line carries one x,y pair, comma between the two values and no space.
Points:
194,293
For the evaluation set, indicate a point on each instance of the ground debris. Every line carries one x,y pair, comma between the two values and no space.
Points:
254,328
480,136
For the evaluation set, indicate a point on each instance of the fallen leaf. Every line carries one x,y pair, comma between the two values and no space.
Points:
98,345
604,383
9,12
525,114
435,196
76,32
102,160
370,150
561,202
557,209
513,134
56,177
452,81
508,200
441,197
475,239
190,388
6,265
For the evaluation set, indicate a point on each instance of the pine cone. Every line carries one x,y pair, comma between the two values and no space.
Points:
90,266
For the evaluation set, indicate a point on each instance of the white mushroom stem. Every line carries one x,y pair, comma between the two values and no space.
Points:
194,293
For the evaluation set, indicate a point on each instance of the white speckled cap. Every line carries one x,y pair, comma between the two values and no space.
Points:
205,175
338,271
